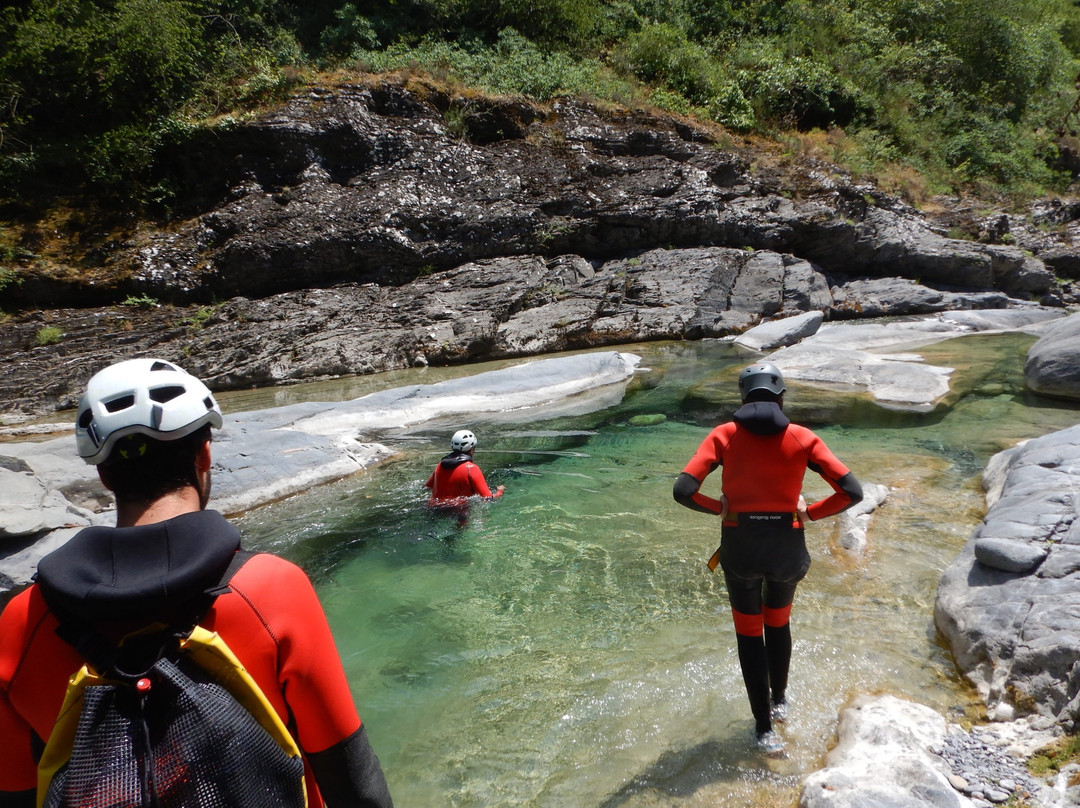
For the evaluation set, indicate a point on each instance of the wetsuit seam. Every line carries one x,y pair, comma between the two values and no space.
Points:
259,616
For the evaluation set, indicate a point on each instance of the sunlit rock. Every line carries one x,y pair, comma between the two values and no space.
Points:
1053,363
883,758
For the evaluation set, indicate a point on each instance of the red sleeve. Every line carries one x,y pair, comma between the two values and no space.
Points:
18,770
479,484
708,457
710,454
430,481
826,464
293,656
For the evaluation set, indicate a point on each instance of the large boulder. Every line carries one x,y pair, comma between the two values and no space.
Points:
1053,362
882,297
777,333
1009,605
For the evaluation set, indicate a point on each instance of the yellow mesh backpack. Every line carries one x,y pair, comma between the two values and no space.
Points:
190,729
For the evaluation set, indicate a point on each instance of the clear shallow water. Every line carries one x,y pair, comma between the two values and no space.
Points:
570,648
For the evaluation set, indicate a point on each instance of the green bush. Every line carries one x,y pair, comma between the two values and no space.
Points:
661,54
513,66
47,335
140,302
93,92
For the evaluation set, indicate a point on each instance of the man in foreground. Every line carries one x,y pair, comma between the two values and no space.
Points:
146,425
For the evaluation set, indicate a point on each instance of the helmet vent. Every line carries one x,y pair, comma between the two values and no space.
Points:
120,403
86,417
163,366
163,394
209,402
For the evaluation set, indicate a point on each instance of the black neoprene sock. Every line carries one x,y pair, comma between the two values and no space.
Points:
778,650
755,670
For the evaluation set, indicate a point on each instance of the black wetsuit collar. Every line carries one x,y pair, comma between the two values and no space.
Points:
762,418
455,459
109,573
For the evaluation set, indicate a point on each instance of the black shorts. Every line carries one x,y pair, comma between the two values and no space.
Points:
764,546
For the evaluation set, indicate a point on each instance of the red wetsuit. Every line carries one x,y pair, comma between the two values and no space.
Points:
763,548
270,617
763,470
455,479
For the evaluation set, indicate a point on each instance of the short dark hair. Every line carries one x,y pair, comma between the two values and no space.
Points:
142,469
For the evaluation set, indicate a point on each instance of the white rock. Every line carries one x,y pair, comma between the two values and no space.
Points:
855,521
883,758
778,333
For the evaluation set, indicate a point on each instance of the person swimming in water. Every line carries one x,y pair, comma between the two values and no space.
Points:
457,478
762,549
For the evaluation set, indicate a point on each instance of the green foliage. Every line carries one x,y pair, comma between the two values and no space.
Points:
89,86
47,335
199,317
1052,759
140,301
8,276
513,66
967,91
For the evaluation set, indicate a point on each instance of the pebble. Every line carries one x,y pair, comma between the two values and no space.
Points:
983,770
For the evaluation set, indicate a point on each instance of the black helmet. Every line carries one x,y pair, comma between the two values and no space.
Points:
763,376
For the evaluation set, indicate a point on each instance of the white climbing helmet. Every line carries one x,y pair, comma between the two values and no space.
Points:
148,396
463,441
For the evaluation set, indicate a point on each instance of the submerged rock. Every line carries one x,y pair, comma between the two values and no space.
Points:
855,521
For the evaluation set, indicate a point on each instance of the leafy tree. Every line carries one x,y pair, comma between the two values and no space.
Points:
89,85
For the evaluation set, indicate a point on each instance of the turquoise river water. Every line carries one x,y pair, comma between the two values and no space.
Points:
569,647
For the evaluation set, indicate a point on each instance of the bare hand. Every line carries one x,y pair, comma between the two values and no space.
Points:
804,515
723,506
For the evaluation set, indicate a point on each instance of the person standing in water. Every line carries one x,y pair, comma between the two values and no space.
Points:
762,549
457,478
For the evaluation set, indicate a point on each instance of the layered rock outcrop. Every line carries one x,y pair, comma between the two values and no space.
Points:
377,224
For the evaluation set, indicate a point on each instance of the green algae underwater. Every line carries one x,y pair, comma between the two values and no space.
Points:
570,648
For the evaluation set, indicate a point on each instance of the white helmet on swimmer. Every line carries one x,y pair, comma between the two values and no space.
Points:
463,441
762,376
148,396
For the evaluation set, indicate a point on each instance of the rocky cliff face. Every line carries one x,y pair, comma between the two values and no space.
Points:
375,225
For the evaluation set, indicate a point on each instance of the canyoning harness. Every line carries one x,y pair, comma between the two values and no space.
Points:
167,717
